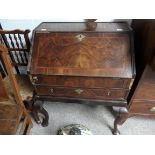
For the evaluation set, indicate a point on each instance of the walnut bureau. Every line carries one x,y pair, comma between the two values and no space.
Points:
82,62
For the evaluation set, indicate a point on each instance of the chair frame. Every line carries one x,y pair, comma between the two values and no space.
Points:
27,123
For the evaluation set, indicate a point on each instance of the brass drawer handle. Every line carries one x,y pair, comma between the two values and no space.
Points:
80,37
109,93
34,79
52,90
152,109
78,91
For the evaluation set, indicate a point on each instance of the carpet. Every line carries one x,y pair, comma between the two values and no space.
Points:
99,119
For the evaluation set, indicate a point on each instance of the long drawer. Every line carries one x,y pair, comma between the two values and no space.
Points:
83,93
143,107
86,82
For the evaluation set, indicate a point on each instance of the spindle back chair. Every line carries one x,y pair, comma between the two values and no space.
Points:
18,45
1,42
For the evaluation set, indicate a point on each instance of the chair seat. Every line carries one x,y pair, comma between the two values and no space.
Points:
25,86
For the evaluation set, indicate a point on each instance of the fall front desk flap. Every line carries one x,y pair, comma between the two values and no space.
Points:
71,49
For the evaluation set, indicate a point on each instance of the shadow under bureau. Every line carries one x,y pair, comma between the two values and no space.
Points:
73,62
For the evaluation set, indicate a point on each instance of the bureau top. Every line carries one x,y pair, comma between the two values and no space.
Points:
82,27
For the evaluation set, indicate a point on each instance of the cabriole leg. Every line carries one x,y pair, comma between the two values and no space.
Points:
122,115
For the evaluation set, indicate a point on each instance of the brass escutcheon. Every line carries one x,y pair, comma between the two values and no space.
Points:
52,90
79,91
80,37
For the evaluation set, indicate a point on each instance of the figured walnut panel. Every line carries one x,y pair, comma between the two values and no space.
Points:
105,55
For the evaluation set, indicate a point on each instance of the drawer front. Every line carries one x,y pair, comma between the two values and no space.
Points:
87,82
145,92
7,127
143,107
99,94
